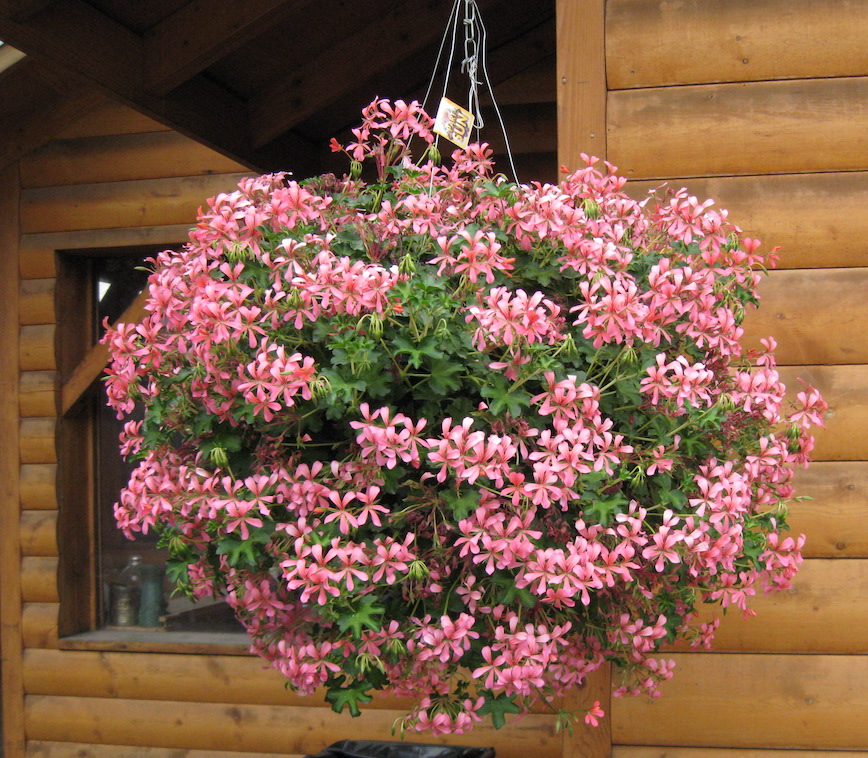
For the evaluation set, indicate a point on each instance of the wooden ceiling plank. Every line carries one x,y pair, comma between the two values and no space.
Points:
75,36
203,31
385,42
21,10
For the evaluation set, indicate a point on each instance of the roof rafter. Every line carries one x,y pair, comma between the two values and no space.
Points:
385,42
75,37
202,32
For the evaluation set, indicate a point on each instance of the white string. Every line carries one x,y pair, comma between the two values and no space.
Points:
475,53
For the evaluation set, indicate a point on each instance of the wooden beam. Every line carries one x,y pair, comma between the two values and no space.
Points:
384,42
21,10
581,81
10,520
89,369
73,35
203,31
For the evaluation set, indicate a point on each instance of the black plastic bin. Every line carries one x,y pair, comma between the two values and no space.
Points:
383,749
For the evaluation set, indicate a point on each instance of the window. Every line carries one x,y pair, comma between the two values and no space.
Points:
112,589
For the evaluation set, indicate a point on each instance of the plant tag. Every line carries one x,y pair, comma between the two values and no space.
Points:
453,122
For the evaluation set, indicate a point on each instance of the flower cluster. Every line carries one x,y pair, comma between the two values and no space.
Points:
439,434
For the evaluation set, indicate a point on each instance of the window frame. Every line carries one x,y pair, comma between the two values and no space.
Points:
80,366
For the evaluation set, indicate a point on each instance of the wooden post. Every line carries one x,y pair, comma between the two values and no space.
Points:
10,552
581,70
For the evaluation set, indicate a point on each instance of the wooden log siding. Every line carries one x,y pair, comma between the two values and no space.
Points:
254,729
749,128
650,44
816,316
147,202
49,749
834,516
817,220
753,701
38,485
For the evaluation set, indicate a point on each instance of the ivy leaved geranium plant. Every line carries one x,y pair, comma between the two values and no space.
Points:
459,439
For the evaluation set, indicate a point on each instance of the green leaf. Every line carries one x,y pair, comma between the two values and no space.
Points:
443,380
364,616
497,706
461,505
348,697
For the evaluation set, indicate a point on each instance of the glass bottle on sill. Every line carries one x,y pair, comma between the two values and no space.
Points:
126,594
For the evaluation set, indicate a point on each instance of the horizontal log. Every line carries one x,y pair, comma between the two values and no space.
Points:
147,202
739,40
39,580
811,702
816,219
115,158
845,389
36,348
826,594
834,517
39,533
48,749
727,129
255,729
36,301
196,678
43,245
36,262
38,486
816,316
624,751
39,625
36,440
37,393
110,117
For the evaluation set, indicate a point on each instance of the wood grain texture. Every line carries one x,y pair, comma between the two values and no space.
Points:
36,262
36,301
39,580
148,202
49,749
816,219
39,533
39,625
798,620
125,157
11,687
812,702
110,117
37,393
816,316
834,517
37,440
845,389
739,40
36,348
255,729
38,484
41,246
733,129
581,77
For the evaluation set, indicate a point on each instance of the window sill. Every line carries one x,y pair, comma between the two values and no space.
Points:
143,640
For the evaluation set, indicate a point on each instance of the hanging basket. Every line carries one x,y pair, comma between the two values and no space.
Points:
442,435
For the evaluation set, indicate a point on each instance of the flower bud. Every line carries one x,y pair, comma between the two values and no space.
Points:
407,266
592,210
418,570
433,154
219,457
320,387
355,169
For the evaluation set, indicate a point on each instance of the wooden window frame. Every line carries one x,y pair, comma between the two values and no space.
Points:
80,365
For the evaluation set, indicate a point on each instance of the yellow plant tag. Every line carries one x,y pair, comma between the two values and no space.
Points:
453,122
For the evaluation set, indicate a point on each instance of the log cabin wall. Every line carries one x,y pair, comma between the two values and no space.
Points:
764,107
